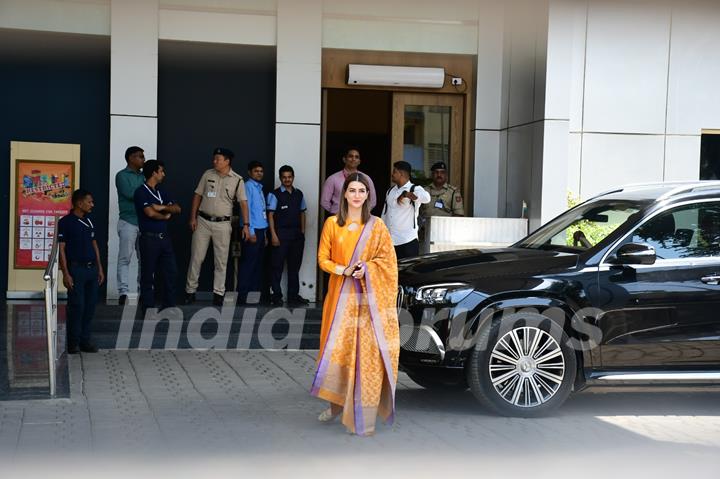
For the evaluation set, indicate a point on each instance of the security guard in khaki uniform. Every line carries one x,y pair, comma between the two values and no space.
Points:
445,199
210,216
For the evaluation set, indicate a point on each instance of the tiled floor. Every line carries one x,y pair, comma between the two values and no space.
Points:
251,411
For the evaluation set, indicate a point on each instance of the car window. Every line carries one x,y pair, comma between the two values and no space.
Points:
685,232
582,227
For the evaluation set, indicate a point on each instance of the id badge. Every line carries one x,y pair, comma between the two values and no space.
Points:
439,204
264,215
211,194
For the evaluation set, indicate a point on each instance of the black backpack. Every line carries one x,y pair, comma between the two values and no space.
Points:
412,202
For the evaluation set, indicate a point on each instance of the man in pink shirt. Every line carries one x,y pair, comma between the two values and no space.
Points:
332,189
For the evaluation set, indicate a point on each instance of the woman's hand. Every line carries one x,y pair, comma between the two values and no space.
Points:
349,270
356,270
359,271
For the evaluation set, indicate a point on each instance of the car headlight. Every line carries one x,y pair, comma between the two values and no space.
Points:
448,293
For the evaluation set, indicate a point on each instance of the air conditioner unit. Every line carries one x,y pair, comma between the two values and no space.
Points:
385,75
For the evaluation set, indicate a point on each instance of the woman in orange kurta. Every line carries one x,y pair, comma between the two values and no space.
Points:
359,338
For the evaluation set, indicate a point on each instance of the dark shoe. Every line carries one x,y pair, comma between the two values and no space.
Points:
189,298
276,301
298,301
73,349
122,299
88,348
218,299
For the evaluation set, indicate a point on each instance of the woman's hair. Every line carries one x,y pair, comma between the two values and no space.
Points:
343,211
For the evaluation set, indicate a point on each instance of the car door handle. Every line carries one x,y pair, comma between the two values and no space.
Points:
710,279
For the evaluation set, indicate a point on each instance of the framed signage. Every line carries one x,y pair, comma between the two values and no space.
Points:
42,179
43,194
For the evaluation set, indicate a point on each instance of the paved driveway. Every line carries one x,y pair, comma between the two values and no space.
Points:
250,412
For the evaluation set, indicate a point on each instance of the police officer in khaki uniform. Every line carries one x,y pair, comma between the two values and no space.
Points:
210,217
445,199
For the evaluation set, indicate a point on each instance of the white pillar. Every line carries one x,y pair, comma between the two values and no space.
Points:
297,128
556,135
489,134
133,103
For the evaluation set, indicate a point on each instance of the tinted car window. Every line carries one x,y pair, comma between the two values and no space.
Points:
582,227
684,232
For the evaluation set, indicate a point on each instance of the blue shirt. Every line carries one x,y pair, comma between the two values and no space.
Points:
272,200
146,196
256,205
78,235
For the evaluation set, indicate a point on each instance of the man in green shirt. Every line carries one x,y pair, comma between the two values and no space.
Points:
126,182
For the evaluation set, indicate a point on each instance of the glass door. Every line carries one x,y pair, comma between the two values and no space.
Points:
427,128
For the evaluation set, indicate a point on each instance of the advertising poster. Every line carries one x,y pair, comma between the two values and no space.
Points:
44,190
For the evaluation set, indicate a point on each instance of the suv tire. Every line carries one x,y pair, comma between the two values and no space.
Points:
522,365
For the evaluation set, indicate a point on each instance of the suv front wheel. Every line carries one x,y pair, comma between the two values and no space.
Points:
522,366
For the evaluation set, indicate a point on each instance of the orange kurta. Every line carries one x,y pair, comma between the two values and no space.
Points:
359,339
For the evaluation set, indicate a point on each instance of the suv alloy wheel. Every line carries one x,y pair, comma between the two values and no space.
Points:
522,366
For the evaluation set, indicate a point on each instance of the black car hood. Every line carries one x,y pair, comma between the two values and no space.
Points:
473,265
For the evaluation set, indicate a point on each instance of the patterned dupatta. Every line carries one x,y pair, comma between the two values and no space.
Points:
359,361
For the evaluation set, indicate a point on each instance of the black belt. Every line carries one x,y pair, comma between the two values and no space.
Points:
83,264
215,219
150,234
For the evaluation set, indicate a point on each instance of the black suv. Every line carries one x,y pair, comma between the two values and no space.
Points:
619,290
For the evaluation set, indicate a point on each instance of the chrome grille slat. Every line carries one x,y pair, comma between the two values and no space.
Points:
421,339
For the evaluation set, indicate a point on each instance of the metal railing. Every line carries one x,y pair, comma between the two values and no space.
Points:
51,310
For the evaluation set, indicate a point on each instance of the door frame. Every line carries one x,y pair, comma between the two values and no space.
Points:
335,62
455,102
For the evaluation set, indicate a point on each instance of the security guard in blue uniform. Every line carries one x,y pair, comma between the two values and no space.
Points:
154,208
250,272
82,270
286,218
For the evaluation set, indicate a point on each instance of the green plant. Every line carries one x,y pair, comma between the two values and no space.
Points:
594,232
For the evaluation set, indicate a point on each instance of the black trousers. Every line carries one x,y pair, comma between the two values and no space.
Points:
157,255
81,303
408,249
250,272
290,251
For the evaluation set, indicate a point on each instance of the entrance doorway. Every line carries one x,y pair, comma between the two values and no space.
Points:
360,119
387,126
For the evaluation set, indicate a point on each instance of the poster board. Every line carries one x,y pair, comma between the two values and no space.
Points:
42,179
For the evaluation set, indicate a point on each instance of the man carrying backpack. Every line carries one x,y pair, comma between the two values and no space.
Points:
402,203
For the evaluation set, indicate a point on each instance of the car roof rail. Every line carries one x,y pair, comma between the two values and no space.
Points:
629,186
691,187
679,187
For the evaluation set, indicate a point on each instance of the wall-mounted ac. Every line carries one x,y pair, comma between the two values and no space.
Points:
385,75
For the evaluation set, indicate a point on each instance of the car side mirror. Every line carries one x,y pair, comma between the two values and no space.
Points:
635,253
